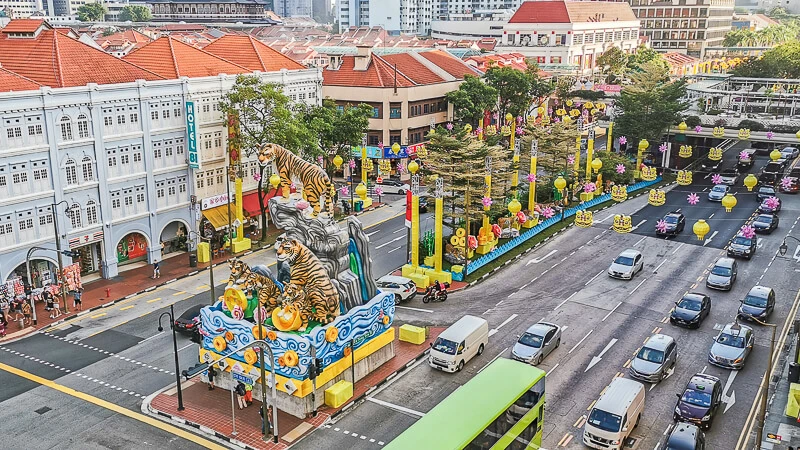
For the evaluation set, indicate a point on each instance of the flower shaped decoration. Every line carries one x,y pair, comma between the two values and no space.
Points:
344,190
401,168
237,312
520,131
521,217
352,163
531,178
661,226
623,140
257,176
693,199
698,129
487,202
748,231
770,135
319,160
472,242
786,183
772,203
496,230
496,115
716,178
449,126
378,191
302,205
548,212
550,111
571,159
663,147
479,130
589,187
744,155
261,310
620,168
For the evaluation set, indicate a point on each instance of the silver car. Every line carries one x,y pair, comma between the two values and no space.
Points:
654,360
627,264
731,346
717,192
723,274
537,342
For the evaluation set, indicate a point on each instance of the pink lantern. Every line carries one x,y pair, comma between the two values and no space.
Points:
319,160
693,199
716,178
487,202
548,212
352,163
620,168
623,140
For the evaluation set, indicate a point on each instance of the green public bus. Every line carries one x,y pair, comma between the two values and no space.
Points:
501,407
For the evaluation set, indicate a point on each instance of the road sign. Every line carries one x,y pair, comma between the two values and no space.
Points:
379,180
243,378
774,438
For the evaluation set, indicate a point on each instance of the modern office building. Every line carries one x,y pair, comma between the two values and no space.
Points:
292,8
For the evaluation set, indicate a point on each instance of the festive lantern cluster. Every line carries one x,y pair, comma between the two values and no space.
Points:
584,218
715,153
685,151
684,177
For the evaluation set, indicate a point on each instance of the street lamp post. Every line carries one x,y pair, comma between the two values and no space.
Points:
765,387
171,315
783,248
210,264
58,249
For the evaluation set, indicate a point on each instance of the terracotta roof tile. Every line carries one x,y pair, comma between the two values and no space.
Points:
378,74
171,58
251,53
572,12
449,64
541,12
10,81
55,60
23,25
413,69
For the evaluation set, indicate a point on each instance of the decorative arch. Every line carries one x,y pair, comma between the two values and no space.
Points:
71,171
170,238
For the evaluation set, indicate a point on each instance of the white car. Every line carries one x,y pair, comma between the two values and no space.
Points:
627,264
790,152
403,288
392,186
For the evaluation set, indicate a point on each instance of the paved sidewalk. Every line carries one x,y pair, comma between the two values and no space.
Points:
777,422
210,411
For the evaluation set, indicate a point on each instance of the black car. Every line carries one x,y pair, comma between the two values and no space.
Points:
709,165
769,179
758,303
768,207
685,436
744,164
189,320
743,246
675,222
690,310
765,223
795,172
700,401
423,203
765,192
792,187
774,167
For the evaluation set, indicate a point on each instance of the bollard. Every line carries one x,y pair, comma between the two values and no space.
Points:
108,292
21,324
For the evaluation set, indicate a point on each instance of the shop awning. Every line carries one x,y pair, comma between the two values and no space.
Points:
218,215
250,202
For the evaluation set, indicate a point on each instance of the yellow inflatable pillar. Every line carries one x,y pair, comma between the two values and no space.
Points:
241,243
610,139
438,273
576,167
530,223
590,158
415,229
364,161
480,127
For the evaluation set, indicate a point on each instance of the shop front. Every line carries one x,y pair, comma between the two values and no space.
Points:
173,238
90,252
132,248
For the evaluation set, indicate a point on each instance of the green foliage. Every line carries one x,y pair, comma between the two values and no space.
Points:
609,169
337,129
92,12
752,125
650,104
613,61
517,90
693,121
645,55
588,95
556,144
135,13
563,87
782,61
771,35
471,99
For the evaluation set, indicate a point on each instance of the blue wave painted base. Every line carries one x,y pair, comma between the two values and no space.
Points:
359,325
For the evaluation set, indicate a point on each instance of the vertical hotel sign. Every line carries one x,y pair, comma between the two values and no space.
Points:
191,130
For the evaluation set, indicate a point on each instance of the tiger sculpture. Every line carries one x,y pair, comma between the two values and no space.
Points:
309,277
267,291
315,181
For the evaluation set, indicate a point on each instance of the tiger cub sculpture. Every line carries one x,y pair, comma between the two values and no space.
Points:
315,181
268,292
310,284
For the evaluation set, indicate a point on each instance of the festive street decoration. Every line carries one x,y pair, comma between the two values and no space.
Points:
728,202
684,177
748,231
570,160
487,202
775,155
750,181
619,192
716,178
701,229
744,154
656,197
772,203
649,173
698,129
623,140
661,226
352,163
786,183
744,134
663,147
682,127
693,199
344,190
548,212
770,135
589,187
718,132
531,178
584,218
715,153
622,224
378,191
685,151
620,168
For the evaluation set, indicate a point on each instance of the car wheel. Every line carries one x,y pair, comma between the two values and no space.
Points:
397,299
558,342
401,192
460,366
540,359
480,349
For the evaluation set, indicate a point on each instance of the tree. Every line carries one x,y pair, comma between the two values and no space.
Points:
556,143
517,90
337,128
265,115
135,13
92,12
648,106
613,61
471,99
610,162
644,55
782,61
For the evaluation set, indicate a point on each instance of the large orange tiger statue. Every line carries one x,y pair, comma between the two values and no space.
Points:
310,285
314,179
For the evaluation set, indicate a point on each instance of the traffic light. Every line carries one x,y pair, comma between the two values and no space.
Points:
318,363
315,368
195,370
70,253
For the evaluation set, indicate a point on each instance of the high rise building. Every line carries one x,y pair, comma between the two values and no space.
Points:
292,8
321,10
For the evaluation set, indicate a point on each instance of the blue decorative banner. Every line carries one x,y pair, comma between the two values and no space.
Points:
191,131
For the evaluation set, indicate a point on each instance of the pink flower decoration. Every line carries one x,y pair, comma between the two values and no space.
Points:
556,120
548,212
661,226
589,187
302,205
770,135
772,202
570,159
472,242
496,115
257,176
716,178
319,160
378,191
549,110
521,217
487,202
520,131
698,129
237,312
620,168
261,310
380,144
663,147
744,155
623,140
401,168
449,126
496,230
352,163
478,130
786,182
531,178
693,199
344,191
748,231
224,306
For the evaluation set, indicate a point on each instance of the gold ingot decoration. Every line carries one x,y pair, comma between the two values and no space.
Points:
685,151
584,218
715,153
657,197
744,133
619,192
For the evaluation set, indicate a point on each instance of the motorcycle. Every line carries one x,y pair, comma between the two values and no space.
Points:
434,295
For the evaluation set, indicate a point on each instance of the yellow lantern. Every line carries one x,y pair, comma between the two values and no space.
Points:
413,167
682,127
468,128
797,135
750,181
701,229
560,183
361,190
597,164
775,155
744,133
595,111
509,117
600,105
337,161
728,202
574,112
643,144
684,177
395,148
514,206
685,151
275,180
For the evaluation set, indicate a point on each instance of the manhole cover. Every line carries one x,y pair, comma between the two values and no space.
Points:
631,442
42,410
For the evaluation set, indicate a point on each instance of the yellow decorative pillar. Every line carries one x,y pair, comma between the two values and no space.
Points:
643,144
576,166
486,239
480,128
609,138
241,243
438,273
413,270
590,153
532,221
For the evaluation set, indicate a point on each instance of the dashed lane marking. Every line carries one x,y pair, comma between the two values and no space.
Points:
154,300
97,315
127,307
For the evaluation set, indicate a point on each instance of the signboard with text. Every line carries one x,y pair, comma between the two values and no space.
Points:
191,140
211,202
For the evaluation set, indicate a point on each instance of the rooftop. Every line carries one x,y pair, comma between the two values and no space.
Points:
572,12
251,53
171,58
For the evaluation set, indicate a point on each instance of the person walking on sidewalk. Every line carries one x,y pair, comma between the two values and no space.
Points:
156,270
211,374
248,394
266,422
240,391
56,307
26,313
48,301
76,299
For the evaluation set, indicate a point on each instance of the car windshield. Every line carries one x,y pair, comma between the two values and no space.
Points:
445,346
624,261
698,398
651,355
605,420
754,300
191,313
671,219
691,304
764,219
721,271
730,340
766,191
531,340
718,188
741,240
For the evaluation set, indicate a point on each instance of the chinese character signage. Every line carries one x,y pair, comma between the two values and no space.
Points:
233,145
191,130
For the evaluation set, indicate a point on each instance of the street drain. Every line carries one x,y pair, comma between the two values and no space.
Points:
42,410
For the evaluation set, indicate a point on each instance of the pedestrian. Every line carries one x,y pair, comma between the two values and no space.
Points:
156,270
26,312
16,308
211,374
248,394
266,422
240,391
5,305
4,323
76,299
56,306
48,300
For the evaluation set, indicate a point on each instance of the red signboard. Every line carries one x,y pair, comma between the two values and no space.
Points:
408,209
608,87
131,246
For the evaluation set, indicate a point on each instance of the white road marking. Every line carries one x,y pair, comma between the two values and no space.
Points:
186,346
705,242
395,407
387,243
580,342
677,248
565,301
611,312
394,249
538,260
729,399
371,233
712,215
637,286
493,359
151,337
414,309
552,369
659,266
495,330
639,224
397,231
594,277
640,241
598,358
603,220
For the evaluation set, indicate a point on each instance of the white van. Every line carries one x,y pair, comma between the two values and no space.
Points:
615,415
459,343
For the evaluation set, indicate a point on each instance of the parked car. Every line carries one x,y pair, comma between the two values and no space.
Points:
685,436
795,172
769,207
729,176
403,288
700,401
690,310
189,320
627,264
656,357
743,246
731,346
392,186
790,152
758,303
539,340
675,223
792,187
723,274
765,223
765,192
718,192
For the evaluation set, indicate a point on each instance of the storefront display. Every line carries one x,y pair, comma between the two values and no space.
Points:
131,248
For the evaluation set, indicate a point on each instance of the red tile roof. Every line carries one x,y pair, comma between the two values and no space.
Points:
171,58
23,26
572,12
541,12
251,53
10,81
132,36
412,68
449,63
55,60
378,74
